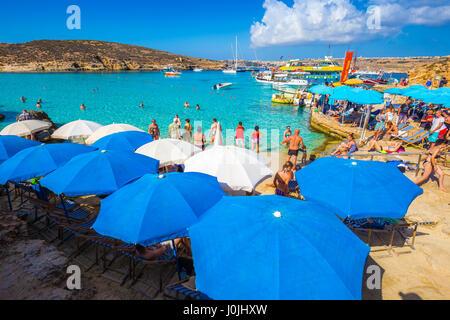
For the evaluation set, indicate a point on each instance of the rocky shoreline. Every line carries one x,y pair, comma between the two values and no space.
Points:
97,56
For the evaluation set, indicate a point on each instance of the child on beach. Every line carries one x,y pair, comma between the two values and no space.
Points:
256,136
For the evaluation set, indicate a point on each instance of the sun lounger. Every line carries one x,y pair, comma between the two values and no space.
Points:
390,226
419,137
180,291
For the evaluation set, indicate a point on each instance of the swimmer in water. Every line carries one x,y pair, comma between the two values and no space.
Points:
197,107
83,107
141,105
23,99
186,105
38,105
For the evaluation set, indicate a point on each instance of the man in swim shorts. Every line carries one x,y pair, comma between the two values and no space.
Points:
295,142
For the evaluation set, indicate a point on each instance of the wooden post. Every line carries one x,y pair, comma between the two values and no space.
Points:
418,164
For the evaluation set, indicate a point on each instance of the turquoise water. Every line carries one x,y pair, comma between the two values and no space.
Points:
119,95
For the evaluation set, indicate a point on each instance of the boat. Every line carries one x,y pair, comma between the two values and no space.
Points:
197,69
172,73
221,85
285,79
283,98
322,71
233,70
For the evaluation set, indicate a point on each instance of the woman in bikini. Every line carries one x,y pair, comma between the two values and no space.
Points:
153,129
282,178
256,135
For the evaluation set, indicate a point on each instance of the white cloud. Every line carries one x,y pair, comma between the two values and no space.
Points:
339,21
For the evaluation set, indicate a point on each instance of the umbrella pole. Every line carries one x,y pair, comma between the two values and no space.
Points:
9,196
176,259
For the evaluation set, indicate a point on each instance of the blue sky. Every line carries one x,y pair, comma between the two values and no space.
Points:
207,28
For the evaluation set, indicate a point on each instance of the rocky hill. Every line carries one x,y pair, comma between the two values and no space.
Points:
87,55
422,73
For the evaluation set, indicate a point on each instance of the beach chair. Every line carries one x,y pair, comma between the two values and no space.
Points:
390,226
180,291
56,216
406,129
135,275
417,139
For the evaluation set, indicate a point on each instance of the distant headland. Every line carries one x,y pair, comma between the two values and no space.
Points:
88,55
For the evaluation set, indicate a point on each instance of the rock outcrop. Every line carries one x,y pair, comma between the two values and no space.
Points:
86,55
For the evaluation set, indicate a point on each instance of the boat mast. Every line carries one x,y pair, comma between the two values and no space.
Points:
236,63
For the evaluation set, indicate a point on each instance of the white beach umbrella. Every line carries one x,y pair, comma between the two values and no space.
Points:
236,169
168,151
110,129
76,129
25,128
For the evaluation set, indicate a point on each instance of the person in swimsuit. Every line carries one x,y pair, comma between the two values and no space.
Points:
199,139
295,142
287,132
240,136
82,107
430,165
141,105
256,135
151,252
197,107
177,121
346,147
282,178
212,131
187,134
186,105
153,129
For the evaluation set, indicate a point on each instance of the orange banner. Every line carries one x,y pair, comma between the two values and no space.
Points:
347,64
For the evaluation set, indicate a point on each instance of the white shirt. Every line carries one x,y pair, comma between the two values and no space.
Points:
437,123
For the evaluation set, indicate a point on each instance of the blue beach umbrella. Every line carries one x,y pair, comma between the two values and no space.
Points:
272,247
10,145
39,160
123,141
99,173
321,89
157,208
357,189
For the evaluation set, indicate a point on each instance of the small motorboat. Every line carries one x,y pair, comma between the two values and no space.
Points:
221,85
283,99
172,73
197,69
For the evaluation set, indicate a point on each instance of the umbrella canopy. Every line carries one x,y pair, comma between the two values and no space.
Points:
110,129
25,128
157,208
272,247
358,189
357,95
10,145
168,151
123,141
76,130
99,173
321,89
39,161
236,169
